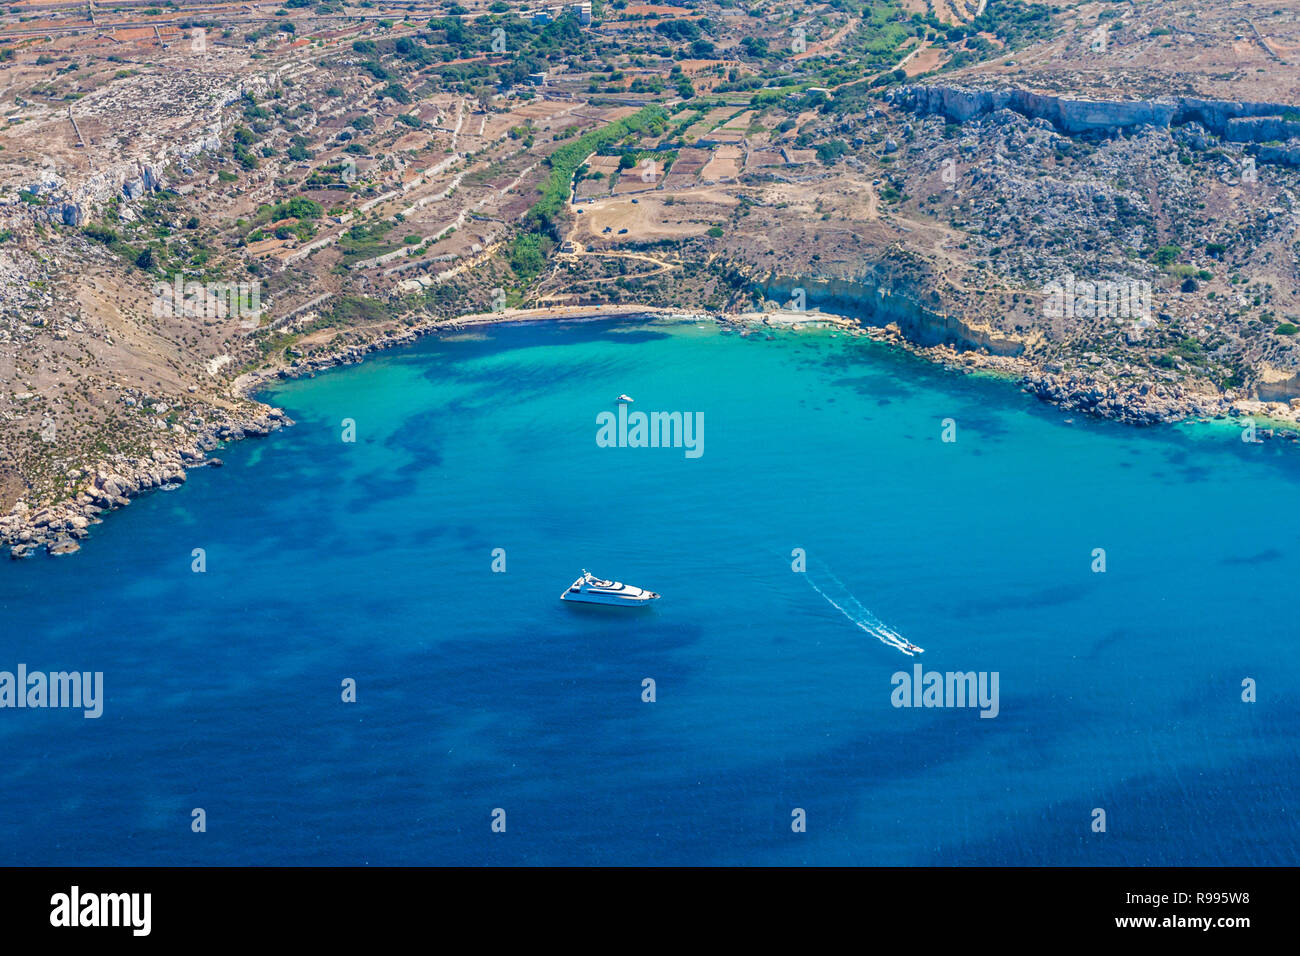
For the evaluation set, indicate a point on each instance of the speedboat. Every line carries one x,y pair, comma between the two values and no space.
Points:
590,589
625,399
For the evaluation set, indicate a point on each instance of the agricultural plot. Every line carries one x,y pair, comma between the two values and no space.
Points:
686,171
723,167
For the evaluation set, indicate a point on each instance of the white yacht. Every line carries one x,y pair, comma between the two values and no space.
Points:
590,589
625,399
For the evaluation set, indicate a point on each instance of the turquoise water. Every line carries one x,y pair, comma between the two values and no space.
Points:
476,690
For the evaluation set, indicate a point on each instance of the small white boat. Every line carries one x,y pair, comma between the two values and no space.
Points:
625,399
590,589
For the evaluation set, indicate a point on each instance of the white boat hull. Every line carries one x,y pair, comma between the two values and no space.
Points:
613,599
589,590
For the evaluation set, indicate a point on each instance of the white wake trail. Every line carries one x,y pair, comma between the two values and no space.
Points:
863,618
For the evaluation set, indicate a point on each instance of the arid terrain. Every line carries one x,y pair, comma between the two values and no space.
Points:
1099,199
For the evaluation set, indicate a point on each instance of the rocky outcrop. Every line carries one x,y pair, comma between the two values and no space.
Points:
1277,385
1280,155
1145,404
1260,129
1237,121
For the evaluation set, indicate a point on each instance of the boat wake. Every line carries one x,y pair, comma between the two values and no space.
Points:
852,609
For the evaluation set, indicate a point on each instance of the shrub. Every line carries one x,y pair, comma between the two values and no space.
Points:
1165,255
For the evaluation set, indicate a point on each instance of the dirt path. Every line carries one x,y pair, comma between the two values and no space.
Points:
659,267
823,46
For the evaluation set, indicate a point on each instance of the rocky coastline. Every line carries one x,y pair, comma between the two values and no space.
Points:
108,485
1144,403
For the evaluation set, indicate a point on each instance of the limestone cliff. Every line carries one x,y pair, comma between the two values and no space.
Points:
1242,122
876,303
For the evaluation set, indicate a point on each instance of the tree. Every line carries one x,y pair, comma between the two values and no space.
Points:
526,258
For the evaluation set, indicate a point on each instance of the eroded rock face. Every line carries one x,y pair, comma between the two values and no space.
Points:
1259,129
1280,155
1279,388
1237,121
881,304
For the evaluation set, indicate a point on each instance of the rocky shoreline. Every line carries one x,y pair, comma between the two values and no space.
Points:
58,528
110,485
1144,403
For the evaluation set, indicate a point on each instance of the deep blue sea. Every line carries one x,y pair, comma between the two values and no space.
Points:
476,690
